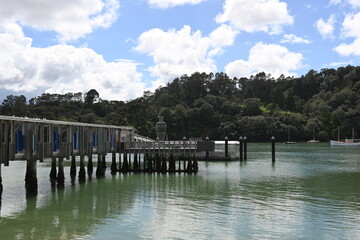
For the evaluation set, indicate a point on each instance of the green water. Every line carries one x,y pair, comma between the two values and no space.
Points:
311,192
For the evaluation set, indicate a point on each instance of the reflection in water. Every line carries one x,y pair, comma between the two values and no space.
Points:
309,193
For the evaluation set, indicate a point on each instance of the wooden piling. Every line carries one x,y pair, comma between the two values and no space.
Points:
245,148
125,166
90,167
82,168
61,176
104,161
241,148
226,147
6,143
113,162
99,168
73,166
30,176
273,149
53,174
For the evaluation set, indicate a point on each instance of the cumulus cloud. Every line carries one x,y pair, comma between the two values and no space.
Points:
257,15
326,28
268,58
172,3
351,26
350,29
183,52
70,19
63,68
292,38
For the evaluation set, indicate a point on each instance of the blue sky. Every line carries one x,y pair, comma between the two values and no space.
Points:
125,47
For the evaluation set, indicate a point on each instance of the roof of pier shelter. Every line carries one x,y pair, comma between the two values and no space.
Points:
55,122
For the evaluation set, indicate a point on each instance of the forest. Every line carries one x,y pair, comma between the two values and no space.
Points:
215,105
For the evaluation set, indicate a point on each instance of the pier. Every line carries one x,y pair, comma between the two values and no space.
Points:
34,140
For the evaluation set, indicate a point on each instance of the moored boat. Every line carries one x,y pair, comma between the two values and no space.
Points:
346,142
313,141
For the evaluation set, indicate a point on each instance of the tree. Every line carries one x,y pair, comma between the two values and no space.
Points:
91,97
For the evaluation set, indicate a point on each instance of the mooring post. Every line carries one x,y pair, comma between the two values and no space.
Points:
241,148
207,152
99,167
273,148
30,177
61,177
113,162
73,166
90,167
53,174
226,147
184,157
245,148
104,161
82,168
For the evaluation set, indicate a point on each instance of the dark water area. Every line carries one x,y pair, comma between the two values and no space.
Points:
311,192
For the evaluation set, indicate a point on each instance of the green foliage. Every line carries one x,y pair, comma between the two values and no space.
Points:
216,106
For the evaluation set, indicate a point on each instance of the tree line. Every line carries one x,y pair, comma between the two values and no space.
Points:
215,105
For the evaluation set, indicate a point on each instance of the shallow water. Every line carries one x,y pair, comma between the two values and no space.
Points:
311,192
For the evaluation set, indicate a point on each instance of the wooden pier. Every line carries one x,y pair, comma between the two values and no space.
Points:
34,140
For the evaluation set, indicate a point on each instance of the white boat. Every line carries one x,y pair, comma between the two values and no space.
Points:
346,142
313,140
289,142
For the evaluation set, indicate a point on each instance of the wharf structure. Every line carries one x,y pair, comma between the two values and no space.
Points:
34,140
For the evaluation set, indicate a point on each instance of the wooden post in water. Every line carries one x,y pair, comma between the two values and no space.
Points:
184,157
61,176
53,174
207,152
273,148
73,166
226,147
241,148
30,177
6,143
82,168
245,148
90,167
113,162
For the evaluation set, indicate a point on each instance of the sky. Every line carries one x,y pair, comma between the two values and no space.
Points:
122,48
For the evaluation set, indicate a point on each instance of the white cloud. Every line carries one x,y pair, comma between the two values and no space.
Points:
64,68
172,3
268,58
257,15
350,28
326,28
183,52
292,38
349,49
70,19
353,3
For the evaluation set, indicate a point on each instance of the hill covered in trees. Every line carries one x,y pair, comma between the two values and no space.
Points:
215,105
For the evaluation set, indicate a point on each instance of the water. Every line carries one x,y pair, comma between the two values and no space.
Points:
311,192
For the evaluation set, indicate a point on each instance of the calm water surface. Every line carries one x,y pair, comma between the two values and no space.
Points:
311,192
